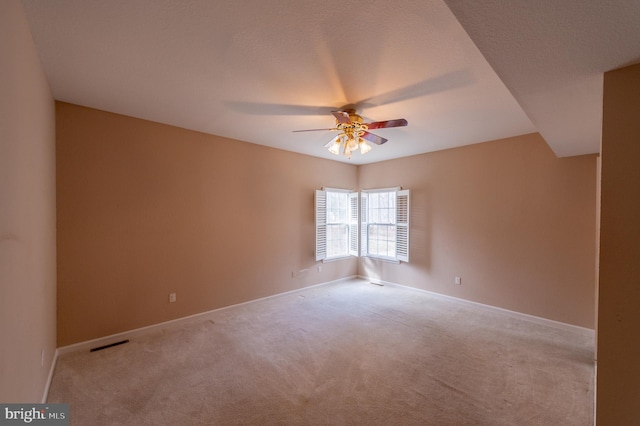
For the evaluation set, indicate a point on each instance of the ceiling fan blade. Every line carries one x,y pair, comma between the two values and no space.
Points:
341,116
312,130
388,123
450,81
373,138
259,108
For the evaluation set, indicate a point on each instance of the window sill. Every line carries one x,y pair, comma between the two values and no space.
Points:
383,259
335,259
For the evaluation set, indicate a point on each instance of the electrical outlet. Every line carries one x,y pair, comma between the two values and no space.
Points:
319,268
458,281
172,297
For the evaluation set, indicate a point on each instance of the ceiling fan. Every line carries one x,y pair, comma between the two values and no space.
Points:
355,133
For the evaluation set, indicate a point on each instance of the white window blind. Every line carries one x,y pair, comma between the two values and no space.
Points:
364,222
353,224
321,225
402,225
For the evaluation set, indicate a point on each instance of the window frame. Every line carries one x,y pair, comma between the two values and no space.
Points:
323,222
357,224
400,221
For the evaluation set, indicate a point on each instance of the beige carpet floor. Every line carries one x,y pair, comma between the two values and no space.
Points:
349,353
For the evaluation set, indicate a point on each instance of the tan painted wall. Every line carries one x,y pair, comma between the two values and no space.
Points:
27,213
509,217
146,209
618,383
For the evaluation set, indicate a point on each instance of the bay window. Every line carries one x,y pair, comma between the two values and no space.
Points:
373,223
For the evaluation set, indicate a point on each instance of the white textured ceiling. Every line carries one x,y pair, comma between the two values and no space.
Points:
255,70
552,54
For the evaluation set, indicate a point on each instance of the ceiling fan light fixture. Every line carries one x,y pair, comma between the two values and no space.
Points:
364,146
334,147
352,144
348,143
347,152
353,129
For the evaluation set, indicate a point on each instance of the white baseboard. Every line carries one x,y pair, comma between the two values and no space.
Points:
45,394
130,334
532,318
